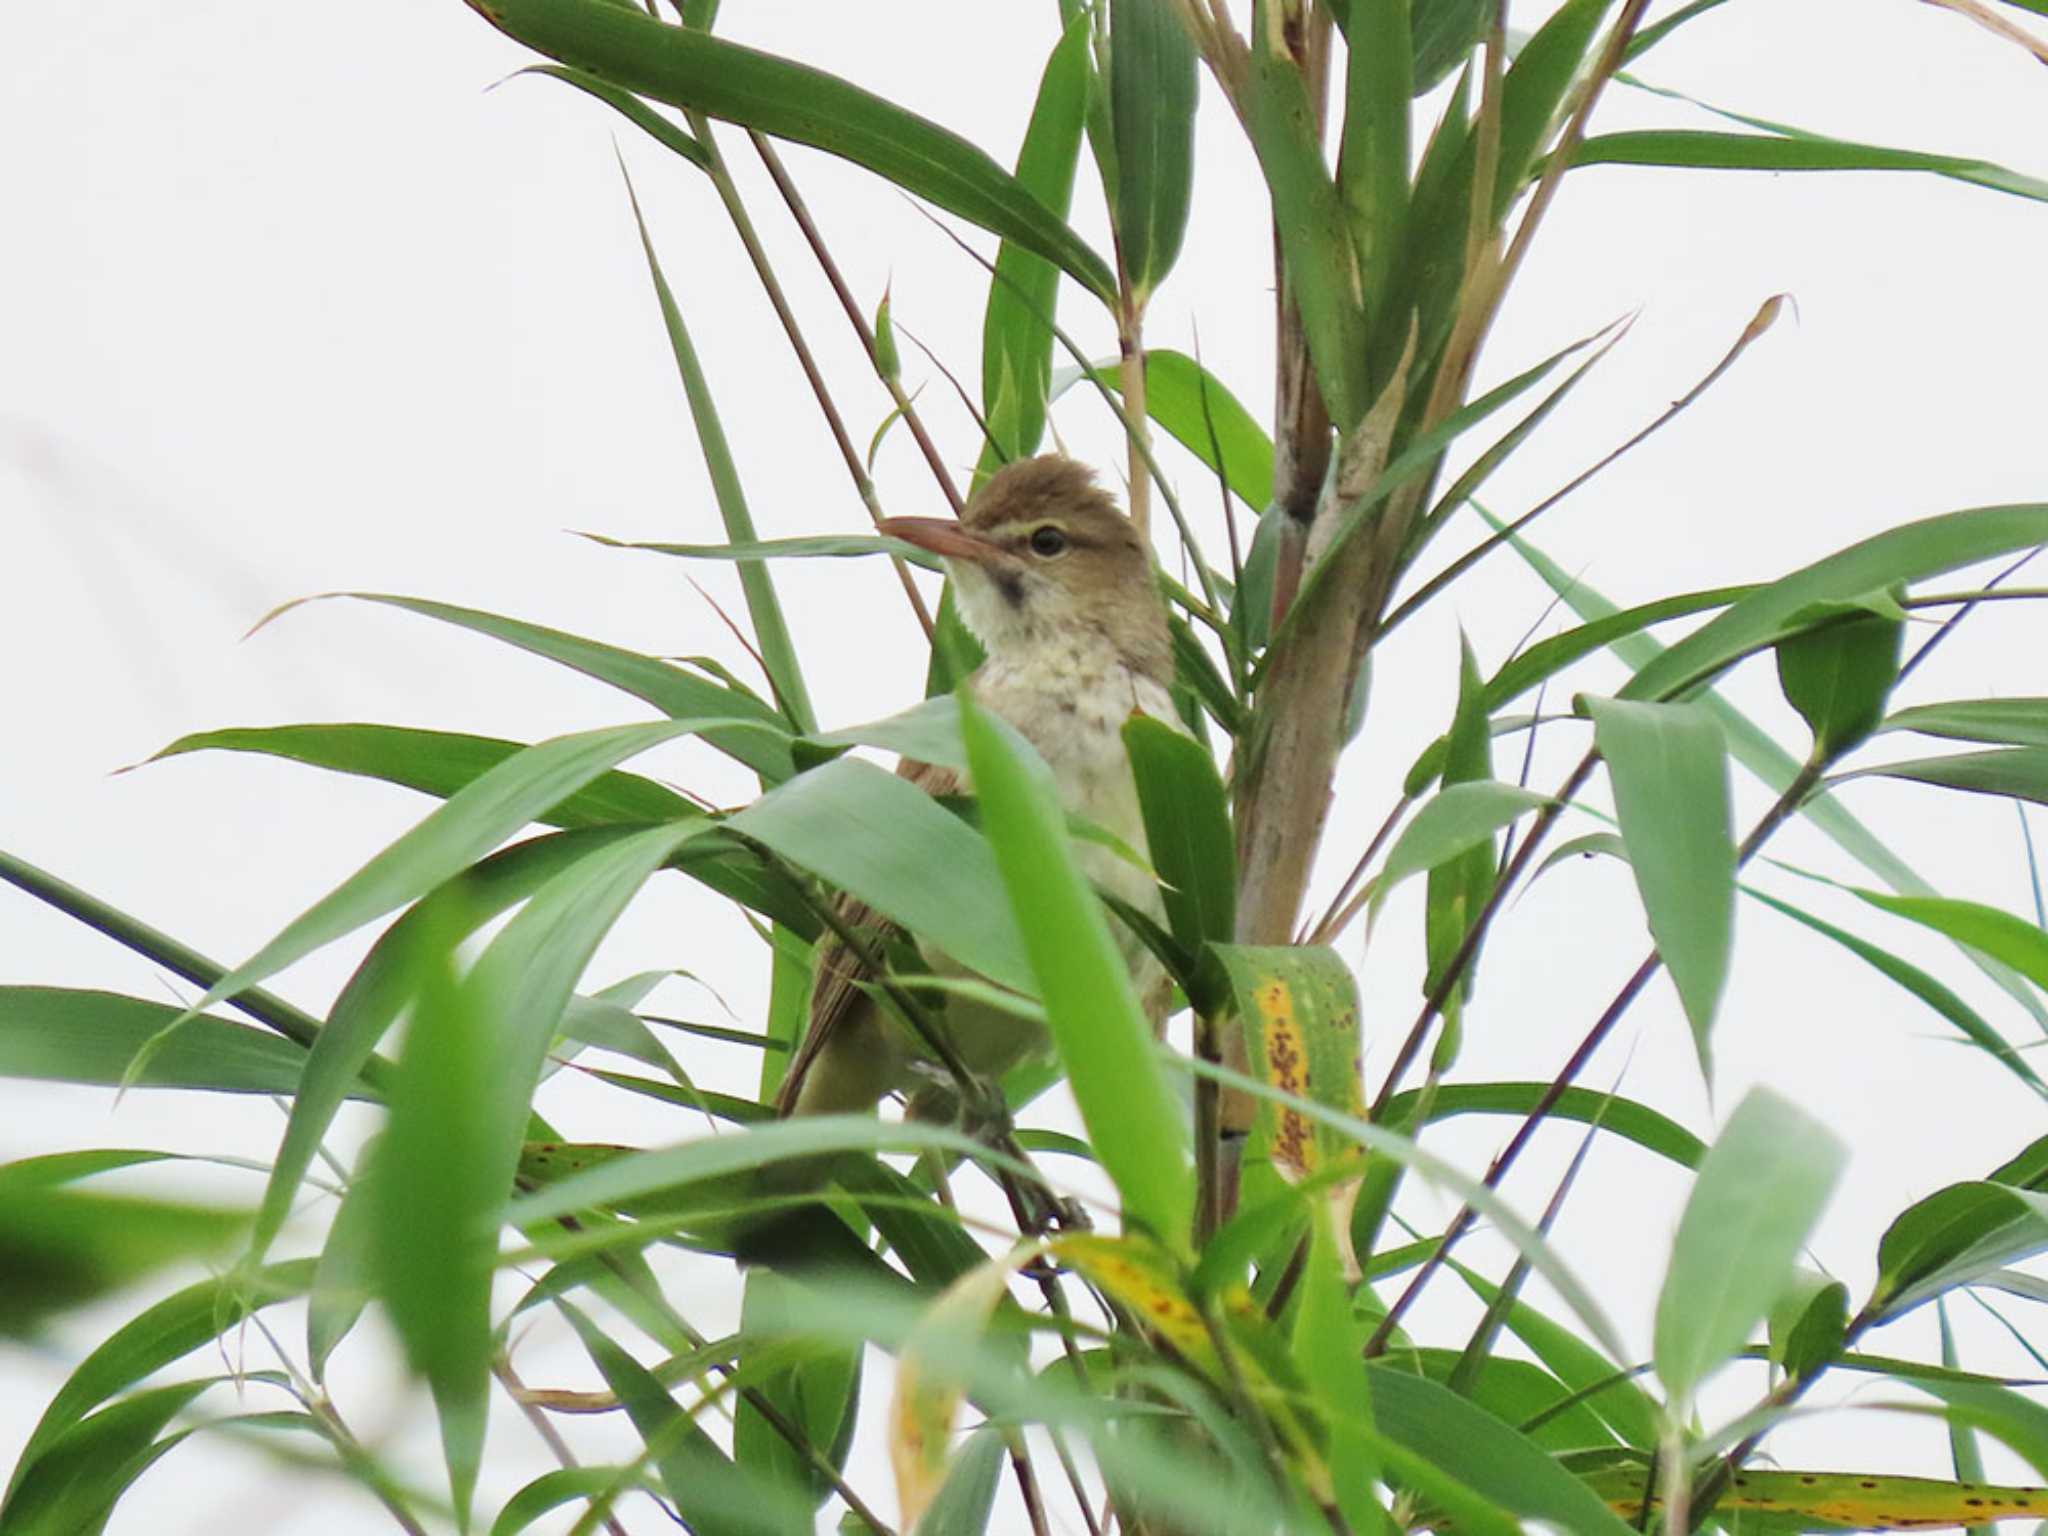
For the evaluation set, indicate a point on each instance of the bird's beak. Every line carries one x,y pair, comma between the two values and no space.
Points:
941,535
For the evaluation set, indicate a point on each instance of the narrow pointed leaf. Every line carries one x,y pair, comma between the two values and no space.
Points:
2018,772
66,1035
1486,1455
764,608
1997,722
165,1333
1101,1031
1756,751
740,725
474,820
436,763
1016,328
1187,830
1453,822
1707,149
1909,553
787,100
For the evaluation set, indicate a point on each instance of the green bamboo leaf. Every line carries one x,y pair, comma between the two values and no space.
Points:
1416,458
1372,159
1460,886
1403,1150
631,1175
564,1485
341,1279
1669,767
631,108
1707,149
1205,418
888,360
67,1035
1953,1237
1546,658
1909,553
967,1497
1187,829
818,1391
741,726
1761,1189
436,763
887,842
1998,722
787,100
1923,986
1648,37
1152,91
380,989
459,1110
1756,751
771,631
1103,1038
1611,1395
714,1497
816,546
2017,1420
2018,772
62,1248
928,731
1535,89
1839,676
1519,1393
1453,822
165,1333
469,825
1016,327
1313,229
1443,34
1807,1322
1487,1456
1617,1116
73,1486
1329,1344
2008,939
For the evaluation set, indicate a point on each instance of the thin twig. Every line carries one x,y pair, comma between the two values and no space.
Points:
1783,808
743,224
542,1426
1027,1484
966,400
1759,323
1342,907
1469,946
802,214
1969,606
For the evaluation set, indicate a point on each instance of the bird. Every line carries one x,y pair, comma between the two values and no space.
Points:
1057,585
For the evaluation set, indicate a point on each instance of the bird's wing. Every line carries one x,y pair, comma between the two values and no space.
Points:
835,984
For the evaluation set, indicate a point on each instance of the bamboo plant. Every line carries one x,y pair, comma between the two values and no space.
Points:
1232,1346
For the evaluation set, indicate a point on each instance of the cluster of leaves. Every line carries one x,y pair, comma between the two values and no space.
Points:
1242,1371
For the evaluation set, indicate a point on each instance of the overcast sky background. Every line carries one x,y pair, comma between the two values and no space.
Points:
295,304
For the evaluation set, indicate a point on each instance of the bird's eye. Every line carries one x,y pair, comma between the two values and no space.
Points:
1048,541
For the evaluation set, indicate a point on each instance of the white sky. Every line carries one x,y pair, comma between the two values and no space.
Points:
294,305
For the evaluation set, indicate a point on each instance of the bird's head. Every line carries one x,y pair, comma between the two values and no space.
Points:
1042,557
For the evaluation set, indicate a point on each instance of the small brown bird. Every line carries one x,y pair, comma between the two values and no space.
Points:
1056,584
